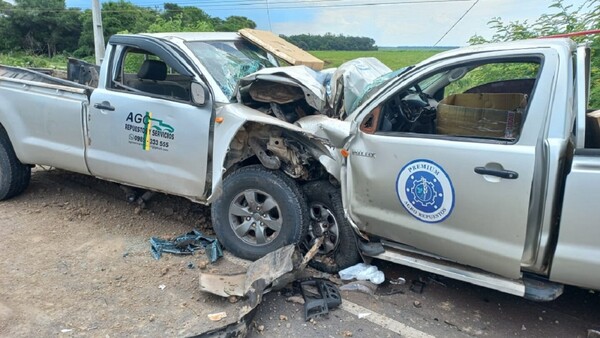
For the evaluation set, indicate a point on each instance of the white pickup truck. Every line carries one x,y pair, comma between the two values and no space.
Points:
472,164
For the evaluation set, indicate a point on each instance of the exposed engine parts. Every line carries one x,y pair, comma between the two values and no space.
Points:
274,149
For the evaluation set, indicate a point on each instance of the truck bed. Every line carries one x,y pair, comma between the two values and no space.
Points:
35,76
45,117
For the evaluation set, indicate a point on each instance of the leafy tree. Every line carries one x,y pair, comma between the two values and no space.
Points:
177,24
40,26
188,15
117,17
232,23
562,19
48,27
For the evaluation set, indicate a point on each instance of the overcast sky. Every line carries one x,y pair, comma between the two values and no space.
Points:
389,22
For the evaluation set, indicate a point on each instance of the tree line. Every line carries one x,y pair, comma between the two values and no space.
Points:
331,41
48,27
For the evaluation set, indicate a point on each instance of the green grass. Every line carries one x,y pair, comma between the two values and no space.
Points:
33,61
394,59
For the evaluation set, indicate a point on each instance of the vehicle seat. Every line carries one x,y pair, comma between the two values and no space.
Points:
152,76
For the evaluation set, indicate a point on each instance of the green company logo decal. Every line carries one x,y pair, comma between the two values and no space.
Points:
155,133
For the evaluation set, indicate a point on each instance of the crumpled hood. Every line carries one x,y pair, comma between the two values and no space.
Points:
331,92
298,81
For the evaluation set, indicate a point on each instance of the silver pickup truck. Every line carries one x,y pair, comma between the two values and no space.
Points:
472,164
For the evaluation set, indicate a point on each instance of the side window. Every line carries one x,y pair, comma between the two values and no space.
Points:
144,73
486,100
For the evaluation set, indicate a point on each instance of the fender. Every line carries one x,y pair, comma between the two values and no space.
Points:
235,116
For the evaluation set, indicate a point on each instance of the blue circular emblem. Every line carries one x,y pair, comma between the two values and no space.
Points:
425,191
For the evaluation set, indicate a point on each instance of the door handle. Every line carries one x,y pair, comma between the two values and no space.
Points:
105,105
507,174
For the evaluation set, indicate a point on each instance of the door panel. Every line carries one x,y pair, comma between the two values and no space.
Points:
143,130
149,142
474,219
455,179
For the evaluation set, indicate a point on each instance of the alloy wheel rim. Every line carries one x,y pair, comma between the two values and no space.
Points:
255,217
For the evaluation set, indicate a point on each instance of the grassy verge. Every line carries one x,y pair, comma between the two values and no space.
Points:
33,61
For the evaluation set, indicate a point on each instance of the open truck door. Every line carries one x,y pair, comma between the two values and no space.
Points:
442,161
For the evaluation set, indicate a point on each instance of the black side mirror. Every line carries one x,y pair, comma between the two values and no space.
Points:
200,93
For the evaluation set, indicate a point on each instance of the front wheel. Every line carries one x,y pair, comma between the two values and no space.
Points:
339,249
259,211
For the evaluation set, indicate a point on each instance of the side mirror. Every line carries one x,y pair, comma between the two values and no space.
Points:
200,93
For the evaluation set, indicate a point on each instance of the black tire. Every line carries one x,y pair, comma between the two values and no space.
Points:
278,198
14,175
326,213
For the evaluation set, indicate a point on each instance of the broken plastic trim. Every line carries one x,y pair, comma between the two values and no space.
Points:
319,297
186,245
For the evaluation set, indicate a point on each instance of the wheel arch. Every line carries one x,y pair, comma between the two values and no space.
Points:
301,149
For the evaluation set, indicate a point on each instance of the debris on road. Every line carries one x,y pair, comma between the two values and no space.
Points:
398,281
162,286
360,286
319,297
215,317
362,271
266,270
417,286
187,244
295,299
272,272
363,315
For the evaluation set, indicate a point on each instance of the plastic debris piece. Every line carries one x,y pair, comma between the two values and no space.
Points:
362,271
360,286
295,299
215,317
272,272
398,281
417,286
363,315
66,330
186,245
162,286
319,296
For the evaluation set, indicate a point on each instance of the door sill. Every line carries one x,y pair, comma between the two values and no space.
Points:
404,255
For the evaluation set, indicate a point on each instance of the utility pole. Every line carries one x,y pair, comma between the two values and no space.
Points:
98,31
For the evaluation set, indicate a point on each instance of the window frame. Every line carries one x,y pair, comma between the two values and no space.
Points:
122,45
419,75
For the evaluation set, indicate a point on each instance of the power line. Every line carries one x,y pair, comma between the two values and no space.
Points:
282,5
456,23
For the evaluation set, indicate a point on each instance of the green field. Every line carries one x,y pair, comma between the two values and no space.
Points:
394,59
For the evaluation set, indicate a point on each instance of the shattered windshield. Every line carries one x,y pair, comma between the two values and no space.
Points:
377,84
229,61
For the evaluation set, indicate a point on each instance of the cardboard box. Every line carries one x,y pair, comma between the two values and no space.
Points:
592,129
489,115
281,48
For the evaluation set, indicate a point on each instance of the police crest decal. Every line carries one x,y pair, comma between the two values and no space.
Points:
425,191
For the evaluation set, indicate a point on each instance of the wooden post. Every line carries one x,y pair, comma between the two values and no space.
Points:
98,31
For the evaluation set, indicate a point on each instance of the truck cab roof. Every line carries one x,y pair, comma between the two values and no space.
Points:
196,36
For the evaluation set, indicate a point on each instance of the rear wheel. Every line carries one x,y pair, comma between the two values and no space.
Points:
14,175
327,220
259,211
